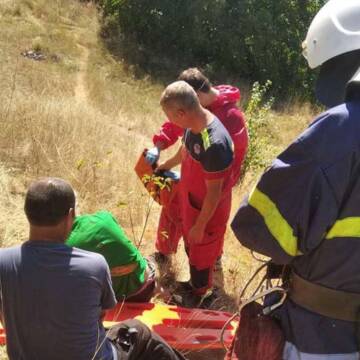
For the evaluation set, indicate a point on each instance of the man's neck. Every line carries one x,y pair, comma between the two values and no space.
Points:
203,119
53,234
207,99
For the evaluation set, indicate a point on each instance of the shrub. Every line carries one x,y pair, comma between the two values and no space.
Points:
246,39
257,116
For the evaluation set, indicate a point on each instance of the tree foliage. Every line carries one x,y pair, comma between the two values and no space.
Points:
257,40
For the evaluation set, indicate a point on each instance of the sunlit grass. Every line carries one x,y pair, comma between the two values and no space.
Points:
83,116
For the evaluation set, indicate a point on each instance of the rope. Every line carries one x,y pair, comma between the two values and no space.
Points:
266,311
224,329
252,278
255,296
256,258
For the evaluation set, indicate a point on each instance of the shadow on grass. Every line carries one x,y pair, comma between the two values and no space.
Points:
140,62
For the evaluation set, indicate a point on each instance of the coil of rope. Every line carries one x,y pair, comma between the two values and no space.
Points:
255,296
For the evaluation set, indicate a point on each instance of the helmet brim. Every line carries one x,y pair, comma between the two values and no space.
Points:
334,76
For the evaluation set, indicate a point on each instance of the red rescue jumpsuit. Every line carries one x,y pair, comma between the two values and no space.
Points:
202,256
224,107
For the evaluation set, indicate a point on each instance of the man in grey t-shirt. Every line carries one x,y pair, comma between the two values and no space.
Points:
53,296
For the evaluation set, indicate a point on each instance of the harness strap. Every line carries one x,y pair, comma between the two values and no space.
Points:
336,304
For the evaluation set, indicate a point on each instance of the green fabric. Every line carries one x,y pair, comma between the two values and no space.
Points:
101,233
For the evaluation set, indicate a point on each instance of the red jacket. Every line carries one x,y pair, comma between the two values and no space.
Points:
224,107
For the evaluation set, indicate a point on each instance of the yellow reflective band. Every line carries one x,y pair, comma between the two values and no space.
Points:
348,227
275,222
205,138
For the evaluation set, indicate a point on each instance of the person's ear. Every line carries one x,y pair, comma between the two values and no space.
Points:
69,221
72,213
180,113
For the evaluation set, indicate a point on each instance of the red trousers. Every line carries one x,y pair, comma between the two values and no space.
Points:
179,216
202,257
169,229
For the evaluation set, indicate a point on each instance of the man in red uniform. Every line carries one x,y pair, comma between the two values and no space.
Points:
221,101
206,158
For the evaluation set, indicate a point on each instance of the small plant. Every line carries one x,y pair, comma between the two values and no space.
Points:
159,181
257,118
37,45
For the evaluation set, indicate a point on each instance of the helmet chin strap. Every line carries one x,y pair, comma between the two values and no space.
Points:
353,87
339,79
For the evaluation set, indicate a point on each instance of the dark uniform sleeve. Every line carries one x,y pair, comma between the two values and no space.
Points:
217,160
291,208
1,307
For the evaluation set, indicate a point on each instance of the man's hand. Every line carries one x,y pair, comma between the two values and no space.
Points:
164,166
152,155
211,201
196,234
172,162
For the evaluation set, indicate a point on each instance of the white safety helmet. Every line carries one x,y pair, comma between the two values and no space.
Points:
335,30
333,42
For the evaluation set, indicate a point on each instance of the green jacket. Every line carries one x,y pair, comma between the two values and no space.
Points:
101,233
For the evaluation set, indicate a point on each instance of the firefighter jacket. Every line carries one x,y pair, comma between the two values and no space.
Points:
305,211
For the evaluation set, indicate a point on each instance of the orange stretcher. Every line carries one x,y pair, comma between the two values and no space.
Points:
2,336
183,329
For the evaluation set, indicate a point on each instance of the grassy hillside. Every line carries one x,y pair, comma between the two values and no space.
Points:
81,115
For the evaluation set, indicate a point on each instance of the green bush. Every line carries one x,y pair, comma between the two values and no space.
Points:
258,119
254,40
257,115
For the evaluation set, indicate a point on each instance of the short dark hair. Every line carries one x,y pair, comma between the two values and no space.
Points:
48,201
196,79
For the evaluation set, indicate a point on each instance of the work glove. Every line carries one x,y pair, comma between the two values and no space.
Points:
174,175
152,155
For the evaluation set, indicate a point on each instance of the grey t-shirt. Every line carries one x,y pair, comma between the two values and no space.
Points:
51,297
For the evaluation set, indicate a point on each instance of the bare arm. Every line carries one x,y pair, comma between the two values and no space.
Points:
211,201
173,161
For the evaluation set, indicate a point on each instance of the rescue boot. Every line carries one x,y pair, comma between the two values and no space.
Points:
160,259
183,287
185,296
218,264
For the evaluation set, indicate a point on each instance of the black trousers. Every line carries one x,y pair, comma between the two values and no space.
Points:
135,341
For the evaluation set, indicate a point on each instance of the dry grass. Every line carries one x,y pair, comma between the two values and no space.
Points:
82,116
